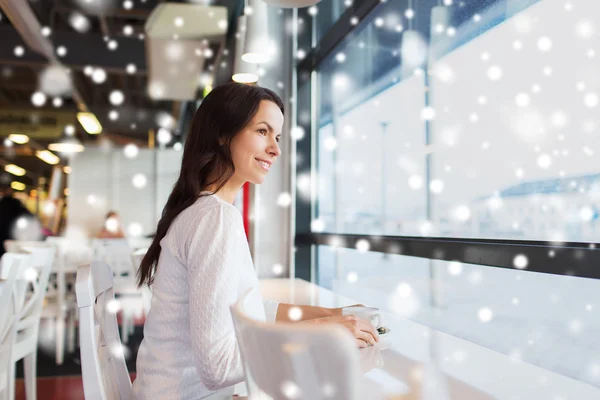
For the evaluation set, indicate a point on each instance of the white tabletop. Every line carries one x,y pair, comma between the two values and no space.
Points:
414,361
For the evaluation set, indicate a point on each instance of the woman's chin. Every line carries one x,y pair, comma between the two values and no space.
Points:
257,180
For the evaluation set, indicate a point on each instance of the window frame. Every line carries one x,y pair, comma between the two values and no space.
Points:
566,258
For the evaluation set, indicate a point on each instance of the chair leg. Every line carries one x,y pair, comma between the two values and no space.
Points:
10,380
60,340
71,332
30,369
124,329
131,326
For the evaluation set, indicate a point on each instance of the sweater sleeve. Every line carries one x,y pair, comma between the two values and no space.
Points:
212,262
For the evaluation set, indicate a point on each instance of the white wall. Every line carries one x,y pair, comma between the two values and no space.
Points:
102,181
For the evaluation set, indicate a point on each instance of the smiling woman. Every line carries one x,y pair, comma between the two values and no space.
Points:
234,126
200,257
199,263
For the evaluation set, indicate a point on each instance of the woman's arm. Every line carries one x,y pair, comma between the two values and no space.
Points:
212,264
306,312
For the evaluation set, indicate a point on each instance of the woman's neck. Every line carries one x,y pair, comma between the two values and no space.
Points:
228,192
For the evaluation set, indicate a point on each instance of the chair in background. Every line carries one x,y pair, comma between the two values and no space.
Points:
295,360
71,253
118,254
59,305
35,272
11,303
103,367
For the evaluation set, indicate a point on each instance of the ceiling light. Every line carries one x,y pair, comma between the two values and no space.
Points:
19,138
257,35
245,77
243,72
67,145
14,169
17,185
47,156
89,122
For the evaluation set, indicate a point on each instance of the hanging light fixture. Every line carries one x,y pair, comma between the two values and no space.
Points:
47,157
17,185
19,138
14,169
440,26
413,48
243,72
69,143
256,44
89,122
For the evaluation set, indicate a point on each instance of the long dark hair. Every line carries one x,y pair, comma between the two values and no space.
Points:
221,116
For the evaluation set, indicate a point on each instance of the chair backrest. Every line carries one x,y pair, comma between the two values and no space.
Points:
138,256
14,246
36,270
71,252
116,253
11,304
103,367
294,360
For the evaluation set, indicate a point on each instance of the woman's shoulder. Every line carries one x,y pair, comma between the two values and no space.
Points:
207,216
207,208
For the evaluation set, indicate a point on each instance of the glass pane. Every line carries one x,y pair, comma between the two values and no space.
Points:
515,134
371,138
477,119
327,13
547,320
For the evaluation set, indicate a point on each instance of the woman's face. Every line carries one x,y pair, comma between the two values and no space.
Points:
255,149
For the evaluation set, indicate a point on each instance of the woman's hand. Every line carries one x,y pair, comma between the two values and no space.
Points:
361,329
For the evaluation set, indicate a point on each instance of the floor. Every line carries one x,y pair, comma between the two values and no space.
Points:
56,388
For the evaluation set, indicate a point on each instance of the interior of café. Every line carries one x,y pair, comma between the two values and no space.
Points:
423,221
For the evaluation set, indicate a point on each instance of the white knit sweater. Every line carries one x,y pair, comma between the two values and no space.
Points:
189,349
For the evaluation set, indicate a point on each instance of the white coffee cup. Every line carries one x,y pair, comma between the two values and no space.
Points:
369,313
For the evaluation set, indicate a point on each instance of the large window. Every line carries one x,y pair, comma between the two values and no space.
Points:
464,131
478,119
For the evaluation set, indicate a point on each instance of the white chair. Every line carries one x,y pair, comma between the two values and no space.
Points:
296,361
35,271
59,305
133,301
11,303
138,256
103,367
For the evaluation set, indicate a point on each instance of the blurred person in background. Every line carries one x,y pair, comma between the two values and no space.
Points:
16,222
112,227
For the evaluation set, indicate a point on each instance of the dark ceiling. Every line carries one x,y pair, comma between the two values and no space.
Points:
19,74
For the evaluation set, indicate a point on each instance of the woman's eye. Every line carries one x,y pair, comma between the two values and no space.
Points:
263,131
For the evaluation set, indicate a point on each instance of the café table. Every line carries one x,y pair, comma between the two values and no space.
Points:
414,361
